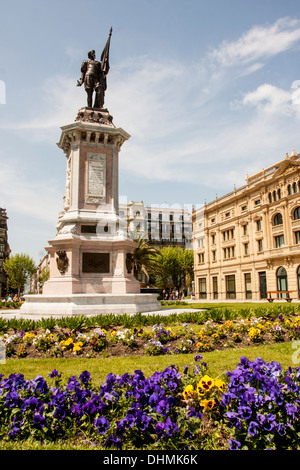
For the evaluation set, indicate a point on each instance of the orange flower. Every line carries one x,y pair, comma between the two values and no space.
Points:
207,404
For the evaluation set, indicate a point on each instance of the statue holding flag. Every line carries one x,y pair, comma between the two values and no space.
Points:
93,76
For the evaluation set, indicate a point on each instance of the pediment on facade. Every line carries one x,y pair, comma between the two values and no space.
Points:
287,167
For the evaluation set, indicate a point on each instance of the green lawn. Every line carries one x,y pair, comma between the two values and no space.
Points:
231,305
217,361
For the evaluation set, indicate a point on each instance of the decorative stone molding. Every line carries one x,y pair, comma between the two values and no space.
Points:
98,116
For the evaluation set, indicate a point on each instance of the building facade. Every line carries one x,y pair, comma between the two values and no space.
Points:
4,251
160,225
247,243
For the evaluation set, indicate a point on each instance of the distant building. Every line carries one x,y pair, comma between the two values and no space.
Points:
247,243
4,251
38,279
160,225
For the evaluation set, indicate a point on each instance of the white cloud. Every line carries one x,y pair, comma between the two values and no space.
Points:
270,99
257,44
37,199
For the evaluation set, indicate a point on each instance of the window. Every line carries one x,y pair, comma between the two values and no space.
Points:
279,241
260,245
258,225
215,286
270,198
257,202
289,190
246,249
230,287
244,208
214,255
213,239
228,234
297,237
202,288
277,219
295,189
248,288
245,229
274,196
282,282
297,213
229,252
201,258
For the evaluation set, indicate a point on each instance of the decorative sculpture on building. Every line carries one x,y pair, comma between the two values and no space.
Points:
129,262
93,76
62,261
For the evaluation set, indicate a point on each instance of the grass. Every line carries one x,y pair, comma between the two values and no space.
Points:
218,362
231,305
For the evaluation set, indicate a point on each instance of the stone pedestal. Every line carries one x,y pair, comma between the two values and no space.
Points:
90,257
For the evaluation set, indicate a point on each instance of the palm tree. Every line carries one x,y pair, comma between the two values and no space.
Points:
145,258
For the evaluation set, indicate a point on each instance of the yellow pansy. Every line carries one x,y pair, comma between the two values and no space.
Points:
68,341
206,383
188,392
220,384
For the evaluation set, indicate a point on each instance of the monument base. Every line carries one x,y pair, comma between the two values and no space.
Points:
88,304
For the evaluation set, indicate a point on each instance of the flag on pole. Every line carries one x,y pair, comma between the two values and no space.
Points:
105,57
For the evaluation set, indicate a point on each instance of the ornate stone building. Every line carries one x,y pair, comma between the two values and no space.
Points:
160,225
247,242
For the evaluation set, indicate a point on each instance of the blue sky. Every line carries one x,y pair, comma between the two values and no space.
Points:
207,91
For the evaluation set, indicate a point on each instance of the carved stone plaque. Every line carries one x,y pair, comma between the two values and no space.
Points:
95,178
95,263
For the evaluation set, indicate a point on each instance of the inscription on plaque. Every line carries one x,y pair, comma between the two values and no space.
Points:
96,178
95,263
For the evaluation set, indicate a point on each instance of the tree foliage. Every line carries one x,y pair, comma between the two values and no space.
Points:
19,269
145,258
176,267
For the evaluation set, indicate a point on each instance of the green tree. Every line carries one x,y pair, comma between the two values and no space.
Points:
19,269
44,276
176,268
145,258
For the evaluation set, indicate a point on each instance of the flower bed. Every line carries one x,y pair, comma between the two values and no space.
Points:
84,340
256,406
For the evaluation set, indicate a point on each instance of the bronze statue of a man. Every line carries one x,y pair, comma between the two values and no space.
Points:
93,76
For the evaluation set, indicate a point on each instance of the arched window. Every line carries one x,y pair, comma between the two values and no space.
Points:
279,193
274,196
297,213
289,190
278,219
295,189
282,282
